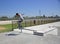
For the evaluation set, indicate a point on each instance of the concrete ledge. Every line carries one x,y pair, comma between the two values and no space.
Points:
38,31
41,30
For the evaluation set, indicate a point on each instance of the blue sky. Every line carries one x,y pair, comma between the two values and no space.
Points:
29,7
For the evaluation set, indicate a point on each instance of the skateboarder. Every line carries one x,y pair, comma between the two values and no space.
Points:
20,19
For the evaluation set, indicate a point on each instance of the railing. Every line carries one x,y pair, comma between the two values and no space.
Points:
31,23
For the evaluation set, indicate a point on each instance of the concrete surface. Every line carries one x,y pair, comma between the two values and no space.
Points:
50,28
15,37
5,22
22,38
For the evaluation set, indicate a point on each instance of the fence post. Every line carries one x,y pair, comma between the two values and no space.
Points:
29,23
34,22
12,25
25,23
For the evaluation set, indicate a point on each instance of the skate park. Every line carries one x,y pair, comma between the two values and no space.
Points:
39,34
29,21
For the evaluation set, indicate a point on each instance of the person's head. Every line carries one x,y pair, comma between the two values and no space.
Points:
17,14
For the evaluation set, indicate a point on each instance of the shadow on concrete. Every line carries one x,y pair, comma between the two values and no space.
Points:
11,34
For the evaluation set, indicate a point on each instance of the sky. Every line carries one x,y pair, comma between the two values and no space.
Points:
29,7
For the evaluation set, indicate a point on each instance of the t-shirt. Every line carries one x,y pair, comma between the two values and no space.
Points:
21,18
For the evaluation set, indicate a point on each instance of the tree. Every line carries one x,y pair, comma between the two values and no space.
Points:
4,18
44,16
56,16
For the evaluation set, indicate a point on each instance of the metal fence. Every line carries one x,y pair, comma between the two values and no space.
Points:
31,23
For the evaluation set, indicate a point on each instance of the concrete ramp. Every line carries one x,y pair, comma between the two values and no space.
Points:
41,30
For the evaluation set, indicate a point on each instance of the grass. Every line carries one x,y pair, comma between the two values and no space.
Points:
7,28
